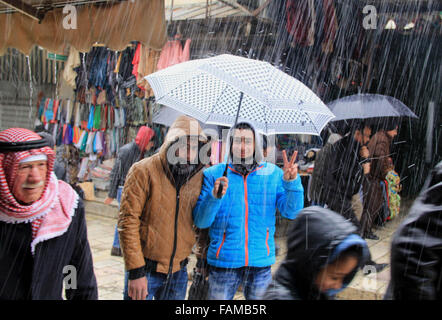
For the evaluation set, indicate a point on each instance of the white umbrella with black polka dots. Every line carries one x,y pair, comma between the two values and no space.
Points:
224,89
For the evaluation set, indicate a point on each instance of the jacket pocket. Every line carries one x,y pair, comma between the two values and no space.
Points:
221,245
267,242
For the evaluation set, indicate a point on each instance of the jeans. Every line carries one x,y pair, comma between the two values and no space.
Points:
223,283
156,284
116,237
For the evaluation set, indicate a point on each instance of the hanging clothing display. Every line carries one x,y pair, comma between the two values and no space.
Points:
312,22
173,53
112,99
69,73
145,62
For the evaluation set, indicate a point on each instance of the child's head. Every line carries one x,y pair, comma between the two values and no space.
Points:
331,277
324,253
390,163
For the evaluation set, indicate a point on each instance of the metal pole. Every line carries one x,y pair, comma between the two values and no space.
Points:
221,185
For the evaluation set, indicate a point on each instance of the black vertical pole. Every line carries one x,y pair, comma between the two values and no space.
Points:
221,186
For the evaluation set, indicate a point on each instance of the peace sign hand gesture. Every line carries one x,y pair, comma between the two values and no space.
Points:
290,168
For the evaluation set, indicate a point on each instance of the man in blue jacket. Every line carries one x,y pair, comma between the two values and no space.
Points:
242,221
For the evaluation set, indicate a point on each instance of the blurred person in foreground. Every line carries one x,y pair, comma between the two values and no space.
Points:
42,225
416,250
324,252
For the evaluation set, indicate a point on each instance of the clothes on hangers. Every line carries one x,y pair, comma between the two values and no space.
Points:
312,22
144,63
72,63
97,117
90,124
173,53
49,112
56,104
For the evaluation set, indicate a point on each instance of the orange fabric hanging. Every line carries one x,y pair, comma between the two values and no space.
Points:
55,108
65,126
76,136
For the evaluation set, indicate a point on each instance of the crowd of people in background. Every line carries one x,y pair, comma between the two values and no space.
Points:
168,199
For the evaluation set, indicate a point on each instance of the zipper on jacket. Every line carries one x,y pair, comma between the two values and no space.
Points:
246,224
267,242
221,245
172,257
177,209
175,230
246,227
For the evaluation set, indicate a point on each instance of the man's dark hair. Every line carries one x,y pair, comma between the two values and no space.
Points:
244,125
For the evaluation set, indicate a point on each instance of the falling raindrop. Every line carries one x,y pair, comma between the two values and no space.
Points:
31,90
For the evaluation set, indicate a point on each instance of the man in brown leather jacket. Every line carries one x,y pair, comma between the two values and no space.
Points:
155,221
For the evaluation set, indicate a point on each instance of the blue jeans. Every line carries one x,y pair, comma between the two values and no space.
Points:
223,283
156,284
116,237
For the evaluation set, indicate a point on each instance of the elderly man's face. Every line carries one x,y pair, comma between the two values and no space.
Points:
30,181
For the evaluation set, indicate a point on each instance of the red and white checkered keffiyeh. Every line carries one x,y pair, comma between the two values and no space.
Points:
51,215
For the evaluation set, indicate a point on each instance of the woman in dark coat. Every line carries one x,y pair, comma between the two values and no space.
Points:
379,148
324,252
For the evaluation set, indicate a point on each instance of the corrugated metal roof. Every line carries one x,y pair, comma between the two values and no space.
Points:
201,9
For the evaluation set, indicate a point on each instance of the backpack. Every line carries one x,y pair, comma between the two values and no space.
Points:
393,188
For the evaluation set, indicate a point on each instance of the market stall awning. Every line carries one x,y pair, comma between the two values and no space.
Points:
114,24
203,9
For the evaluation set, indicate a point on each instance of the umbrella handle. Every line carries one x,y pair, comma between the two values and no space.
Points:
221,185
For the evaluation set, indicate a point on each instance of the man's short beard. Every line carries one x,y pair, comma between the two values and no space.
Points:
182,168
239,160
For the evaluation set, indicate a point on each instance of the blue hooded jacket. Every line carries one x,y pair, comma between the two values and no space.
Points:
242,223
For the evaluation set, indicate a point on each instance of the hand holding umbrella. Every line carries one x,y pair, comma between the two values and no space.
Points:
290,168
220,187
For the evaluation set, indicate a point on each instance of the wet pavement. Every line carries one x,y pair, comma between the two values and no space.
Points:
109,270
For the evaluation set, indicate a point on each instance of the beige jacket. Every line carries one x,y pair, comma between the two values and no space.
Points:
148,209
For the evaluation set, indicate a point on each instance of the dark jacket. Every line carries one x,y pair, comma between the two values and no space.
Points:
127,156
24,277
416,252
338,171
316,238
379,147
